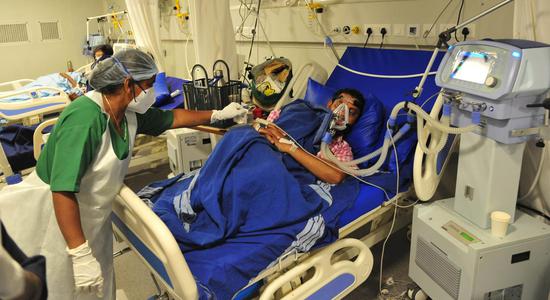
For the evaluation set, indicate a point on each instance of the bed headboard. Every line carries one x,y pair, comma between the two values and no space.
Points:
385,62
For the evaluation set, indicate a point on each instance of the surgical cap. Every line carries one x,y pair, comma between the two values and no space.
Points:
127,63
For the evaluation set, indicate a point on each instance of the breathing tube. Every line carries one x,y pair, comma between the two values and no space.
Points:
427,125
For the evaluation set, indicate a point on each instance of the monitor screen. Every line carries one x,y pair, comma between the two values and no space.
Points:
472,66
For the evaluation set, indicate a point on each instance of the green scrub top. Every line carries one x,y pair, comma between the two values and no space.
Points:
76,137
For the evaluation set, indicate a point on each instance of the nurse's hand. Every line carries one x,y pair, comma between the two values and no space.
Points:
232,111
87,271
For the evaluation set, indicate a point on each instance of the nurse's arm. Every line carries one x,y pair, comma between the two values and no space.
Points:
68,218
190,118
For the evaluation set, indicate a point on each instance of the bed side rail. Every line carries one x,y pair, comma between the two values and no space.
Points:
15,84
151,240
298,83
17,110
331,273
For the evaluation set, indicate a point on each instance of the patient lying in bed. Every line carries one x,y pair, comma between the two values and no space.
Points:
254,200
68,82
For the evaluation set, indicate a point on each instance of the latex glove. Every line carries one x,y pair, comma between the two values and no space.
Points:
86,270
233,111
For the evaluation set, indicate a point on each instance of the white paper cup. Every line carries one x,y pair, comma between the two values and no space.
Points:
499,223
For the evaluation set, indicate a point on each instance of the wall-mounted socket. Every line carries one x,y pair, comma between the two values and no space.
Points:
376,28
413,30
337,29
373,27
356,29
388,28
471,28
346,29
247,30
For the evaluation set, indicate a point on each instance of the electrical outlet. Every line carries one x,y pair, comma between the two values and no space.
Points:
355,29
336,29
413,30
426,33
375,29
366,27
346,29
388,29
247,30
471,28
398,30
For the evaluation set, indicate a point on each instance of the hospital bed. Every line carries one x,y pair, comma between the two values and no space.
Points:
330,272
29,106
40,102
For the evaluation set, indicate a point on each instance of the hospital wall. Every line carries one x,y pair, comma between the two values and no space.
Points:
293,34
36,57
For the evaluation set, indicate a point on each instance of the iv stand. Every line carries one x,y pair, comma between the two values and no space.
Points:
445,37
88,19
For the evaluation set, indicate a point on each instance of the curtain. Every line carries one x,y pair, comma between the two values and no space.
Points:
213,33
531,22
144,18
527,12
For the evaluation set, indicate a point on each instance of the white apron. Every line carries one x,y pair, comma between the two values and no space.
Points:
27,212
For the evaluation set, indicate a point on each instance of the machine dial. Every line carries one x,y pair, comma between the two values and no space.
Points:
491,82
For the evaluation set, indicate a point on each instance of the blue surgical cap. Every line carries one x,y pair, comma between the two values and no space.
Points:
132,63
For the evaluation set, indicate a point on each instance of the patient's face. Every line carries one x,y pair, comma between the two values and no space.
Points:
350,103
98,54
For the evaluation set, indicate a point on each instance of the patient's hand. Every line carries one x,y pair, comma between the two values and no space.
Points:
273,134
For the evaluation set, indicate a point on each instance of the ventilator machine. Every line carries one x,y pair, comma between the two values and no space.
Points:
499,85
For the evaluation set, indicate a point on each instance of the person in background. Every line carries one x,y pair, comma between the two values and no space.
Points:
100,53
66,203
16,282
355,102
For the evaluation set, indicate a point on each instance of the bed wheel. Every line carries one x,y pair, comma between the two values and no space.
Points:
416,293
164,296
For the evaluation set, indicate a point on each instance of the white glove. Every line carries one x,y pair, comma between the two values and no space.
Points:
86,270
232,111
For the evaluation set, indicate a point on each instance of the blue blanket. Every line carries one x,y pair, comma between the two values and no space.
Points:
250,204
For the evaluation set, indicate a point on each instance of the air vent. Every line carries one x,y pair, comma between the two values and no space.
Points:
436,264
13,33
50,31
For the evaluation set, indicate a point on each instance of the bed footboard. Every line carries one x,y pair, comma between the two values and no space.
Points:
331,273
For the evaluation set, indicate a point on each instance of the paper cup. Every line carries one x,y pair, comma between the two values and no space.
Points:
499,223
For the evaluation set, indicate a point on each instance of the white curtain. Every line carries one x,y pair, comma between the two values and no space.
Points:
531,22
144,18
213,33
532,12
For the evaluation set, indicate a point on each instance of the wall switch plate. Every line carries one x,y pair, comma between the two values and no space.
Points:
398,30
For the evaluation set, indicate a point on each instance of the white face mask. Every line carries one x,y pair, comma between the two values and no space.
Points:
143,101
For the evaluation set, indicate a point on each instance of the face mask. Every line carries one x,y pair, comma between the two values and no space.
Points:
143,101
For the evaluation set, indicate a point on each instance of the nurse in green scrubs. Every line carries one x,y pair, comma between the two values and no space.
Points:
62,210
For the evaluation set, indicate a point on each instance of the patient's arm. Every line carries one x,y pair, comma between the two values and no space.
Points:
70,79
322,169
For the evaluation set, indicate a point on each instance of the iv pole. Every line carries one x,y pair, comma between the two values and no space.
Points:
88,19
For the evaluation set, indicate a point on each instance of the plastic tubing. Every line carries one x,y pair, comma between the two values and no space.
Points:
377,152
